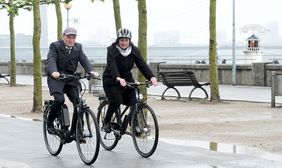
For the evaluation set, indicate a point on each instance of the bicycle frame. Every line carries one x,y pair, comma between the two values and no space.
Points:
132,109
86,133
81,106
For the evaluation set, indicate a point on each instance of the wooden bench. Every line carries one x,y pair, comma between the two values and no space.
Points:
181,78
5,77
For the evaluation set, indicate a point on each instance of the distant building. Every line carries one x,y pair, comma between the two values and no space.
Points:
253,51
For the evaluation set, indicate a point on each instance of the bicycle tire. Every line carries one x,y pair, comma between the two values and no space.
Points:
53,142
88,130
108,140
145,130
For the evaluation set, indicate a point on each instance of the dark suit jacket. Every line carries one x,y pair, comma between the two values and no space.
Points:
59,60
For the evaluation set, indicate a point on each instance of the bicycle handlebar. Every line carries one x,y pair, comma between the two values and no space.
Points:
78,76
134,85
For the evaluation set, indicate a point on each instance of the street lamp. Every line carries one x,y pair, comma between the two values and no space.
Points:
233,49
68,6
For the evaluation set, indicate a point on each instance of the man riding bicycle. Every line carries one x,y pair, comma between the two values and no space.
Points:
63,58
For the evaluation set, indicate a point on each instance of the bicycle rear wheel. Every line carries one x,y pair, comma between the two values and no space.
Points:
87,137
53,142
108,140
145,130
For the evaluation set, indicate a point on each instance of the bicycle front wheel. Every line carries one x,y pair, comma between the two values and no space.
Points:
108,140
53,142
88,137
145,130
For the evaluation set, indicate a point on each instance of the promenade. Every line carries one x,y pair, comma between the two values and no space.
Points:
245,129
227,92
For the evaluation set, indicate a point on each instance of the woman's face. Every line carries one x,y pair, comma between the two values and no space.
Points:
123,43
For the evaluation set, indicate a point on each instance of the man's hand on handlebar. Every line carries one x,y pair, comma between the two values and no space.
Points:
94,74
55,75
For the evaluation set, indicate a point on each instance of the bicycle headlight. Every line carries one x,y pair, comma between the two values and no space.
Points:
140,96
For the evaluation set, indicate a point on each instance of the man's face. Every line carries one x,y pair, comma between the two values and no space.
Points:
69,40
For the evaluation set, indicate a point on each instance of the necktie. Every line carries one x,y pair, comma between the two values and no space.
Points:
68,50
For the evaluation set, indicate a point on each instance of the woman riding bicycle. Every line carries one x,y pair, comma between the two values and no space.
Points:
121,56
63,57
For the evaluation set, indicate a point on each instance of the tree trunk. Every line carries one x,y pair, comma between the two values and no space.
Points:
37,88
12,48
142,39
117,14
59,20
214,90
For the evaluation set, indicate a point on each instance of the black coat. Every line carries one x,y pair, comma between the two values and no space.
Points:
59,60
120,66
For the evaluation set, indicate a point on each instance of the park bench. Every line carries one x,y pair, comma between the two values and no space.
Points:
276,86
4,76
181,78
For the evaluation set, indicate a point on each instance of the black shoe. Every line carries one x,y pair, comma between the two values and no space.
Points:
51,131
50,128
82,141
70,137
107,127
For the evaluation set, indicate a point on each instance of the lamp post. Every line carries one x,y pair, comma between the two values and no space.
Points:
233,49
68,7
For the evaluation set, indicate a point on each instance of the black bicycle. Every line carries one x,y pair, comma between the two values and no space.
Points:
137,119
87,135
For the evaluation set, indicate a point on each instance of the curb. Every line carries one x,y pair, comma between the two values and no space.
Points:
21,118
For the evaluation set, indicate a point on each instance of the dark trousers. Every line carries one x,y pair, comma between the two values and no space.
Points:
59,100
128,97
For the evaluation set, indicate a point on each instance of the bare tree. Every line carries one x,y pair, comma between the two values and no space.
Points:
142,39
214,89
37,87
59,19
12,7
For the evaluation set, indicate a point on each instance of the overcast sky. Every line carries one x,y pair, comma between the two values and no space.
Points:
189,17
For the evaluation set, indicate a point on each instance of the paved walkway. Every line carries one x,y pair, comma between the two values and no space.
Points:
22,144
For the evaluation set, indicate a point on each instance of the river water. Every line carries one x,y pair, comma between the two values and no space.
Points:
171,55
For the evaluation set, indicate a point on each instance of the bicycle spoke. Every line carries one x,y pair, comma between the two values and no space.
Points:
87,137
108,140
145,131
53,142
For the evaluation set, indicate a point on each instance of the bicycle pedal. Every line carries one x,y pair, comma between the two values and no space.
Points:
115,126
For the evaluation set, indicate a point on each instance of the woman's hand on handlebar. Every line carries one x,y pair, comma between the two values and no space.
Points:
55,75
122,82
154,81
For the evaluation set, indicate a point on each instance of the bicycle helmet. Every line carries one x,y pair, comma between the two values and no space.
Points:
124,32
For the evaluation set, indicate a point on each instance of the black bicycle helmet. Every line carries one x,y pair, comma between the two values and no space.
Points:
124,32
